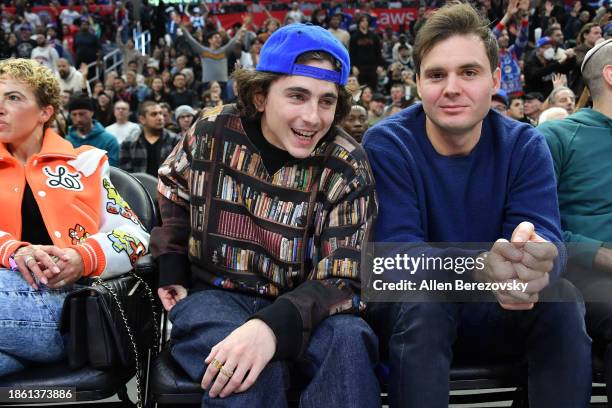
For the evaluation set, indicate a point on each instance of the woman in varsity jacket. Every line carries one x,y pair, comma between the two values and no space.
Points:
61,218
265,208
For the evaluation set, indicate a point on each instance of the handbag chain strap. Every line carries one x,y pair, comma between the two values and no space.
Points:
99,281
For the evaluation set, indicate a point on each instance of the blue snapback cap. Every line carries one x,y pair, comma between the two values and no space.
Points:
282,49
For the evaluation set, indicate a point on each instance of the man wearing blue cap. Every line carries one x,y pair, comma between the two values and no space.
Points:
265,207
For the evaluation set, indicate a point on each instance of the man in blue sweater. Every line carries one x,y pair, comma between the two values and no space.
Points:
451,170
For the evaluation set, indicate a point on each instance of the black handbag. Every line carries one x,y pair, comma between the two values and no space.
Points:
109,324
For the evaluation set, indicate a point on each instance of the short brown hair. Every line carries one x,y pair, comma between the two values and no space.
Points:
451,20
39,78
250,83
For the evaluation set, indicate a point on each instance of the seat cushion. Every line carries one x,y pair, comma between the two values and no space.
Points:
170,383
91,384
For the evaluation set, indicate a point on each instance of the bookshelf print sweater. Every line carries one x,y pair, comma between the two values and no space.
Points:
294,235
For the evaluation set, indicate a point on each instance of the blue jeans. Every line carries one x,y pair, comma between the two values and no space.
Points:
339,360
29,321
420,338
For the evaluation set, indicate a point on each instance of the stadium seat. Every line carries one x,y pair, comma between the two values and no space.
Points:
92,384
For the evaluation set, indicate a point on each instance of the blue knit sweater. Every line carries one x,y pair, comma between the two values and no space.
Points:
508,178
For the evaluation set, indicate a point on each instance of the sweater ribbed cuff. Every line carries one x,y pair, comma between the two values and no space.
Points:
174,269
94,260
285,321
8,248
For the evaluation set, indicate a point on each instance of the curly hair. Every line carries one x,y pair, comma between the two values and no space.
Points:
250,83
39,78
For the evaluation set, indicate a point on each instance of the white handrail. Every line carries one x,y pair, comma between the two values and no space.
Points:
114,59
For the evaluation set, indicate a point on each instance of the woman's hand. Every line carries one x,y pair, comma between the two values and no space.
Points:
248,349
170,295
30,259
71,269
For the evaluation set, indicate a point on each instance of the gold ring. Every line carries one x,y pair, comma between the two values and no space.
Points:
215,363
28,258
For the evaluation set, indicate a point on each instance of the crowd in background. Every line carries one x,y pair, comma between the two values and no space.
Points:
192,56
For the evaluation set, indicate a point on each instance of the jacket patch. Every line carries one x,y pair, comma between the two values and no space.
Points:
62,178
78,234
124,242
88,161
118,205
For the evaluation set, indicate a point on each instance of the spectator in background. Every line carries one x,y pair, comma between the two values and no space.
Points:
214,57
122,93
563,97
398,96
192,83
411,93
45,53
588,36
104,109
376,109
123,129
554,113
86,46
249,60
85,130
356,123
184,115
581,148
169,123
26,43
181,95
541,65
516,110
146,152
366,97
295,14
499,102
533,107
128,50
365,50
157,92
510,55
404,57
334,27
72,80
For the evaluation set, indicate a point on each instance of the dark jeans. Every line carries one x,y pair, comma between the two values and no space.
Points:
596,288
419,340
339,360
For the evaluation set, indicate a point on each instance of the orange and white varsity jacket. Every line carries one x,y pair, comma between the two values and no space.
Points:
79,205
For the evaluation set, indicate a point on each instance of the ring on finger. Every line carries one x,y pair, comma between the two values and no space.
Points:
216,363
226,372
28,258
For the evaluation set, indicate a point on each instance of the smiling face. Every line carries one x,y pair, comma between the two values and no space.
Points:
456,85
298,111
20,114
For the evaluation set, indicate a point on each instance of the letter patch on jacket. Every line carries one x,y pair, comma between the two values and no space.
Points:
118,205
62,178
78,234
123,241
